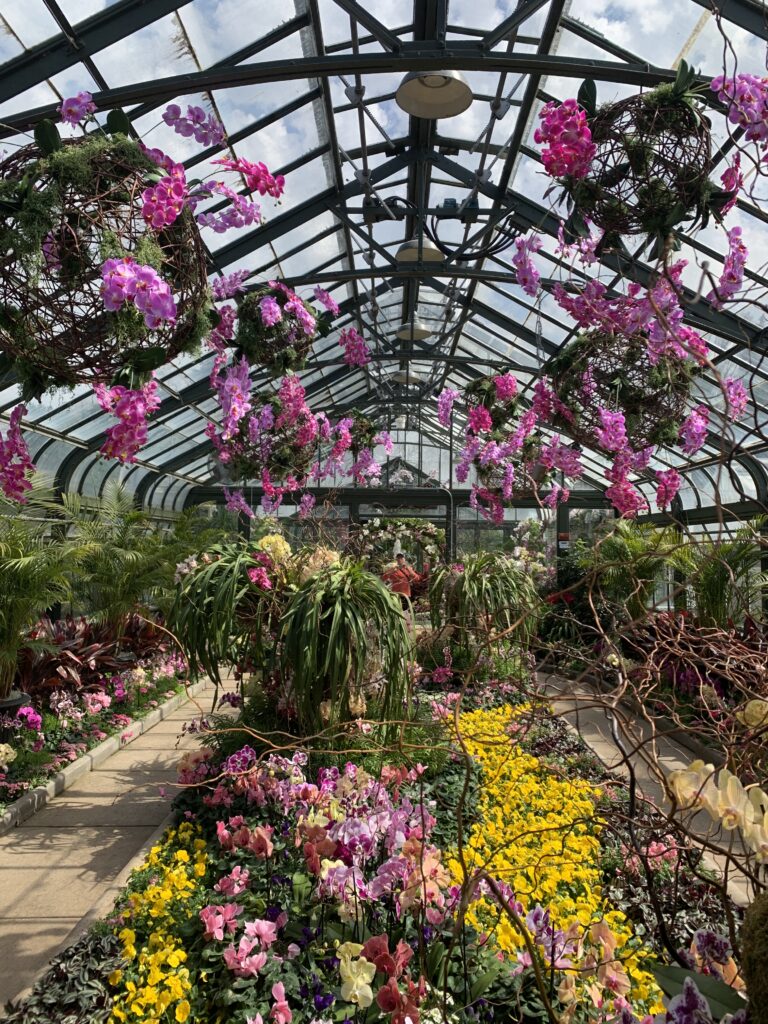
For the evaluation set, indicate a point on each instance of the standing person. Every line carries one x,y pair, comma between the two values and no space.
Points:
400,578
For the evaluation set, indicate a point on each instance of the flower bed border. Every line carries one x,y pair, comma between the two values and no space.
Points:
36,799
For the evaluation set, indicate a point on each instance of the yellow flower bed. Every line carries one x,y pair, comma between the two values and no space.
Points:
539,834
156,980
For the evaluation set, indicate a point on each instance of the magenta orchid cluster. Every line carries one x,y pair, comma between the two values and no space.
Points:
445,403
527,275
569,149
230,285
356,352
131,407
125,280
15,463
204,128
257,176
732,277
326,300
75,109
164,201
746,97
511,457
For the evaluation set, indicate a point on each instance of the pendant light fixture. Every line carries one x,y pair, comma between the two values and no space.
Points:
434,94
413,330
419,249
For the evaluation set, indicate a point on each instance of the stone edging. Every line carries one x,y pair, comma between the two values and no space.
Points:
35,799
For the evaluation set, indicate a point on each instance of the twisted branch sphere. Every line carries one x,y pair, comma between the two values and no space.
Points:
651,156
653,399
280,456
82,206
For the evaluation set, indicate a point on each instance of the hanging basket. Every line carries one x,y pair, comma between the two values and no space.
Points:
482,391
363,434
651,166
284,345
610,371
530,477
63,215
280,454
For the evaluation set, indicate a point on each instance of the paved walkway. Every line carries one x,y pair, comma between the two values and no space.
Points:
585,709
62,863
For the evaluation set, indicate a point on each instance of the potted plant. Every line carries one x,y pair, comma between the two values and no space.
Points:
326,633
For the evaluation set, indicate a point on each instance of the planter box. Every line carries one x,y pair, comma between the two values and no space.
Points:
35,799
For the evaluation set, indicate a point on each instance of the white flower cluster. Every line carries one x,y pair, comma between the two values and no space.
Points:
185,568
7,755
726,801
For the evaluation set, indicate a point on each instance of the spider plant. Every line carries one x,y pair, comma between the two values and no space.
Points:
324,646
219,615
722,573
492,594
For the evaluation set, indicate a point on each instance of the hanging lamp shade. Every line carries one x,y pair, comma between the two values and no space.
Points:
413,330
409,252
434,94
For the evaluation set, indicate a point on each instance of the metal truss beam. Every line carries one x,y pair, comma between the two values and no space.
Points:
747,14
525,10
380,32
57,54
429,55
419,497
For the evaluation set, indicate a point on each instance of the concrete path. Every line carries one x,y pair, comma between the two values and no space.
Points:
61,863
586,710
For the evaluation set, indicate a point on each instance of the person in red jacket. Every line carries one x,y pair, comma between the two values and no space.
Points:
399,579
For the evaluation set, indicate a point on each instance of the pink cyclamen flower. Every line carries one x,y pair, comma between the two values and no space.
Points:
668,485
281,1011
264,931
235,882
75,108
219,919
241,961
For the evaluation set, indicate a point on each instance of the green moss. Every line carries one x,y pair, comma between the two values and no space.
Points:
111,158
754,958
149,253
